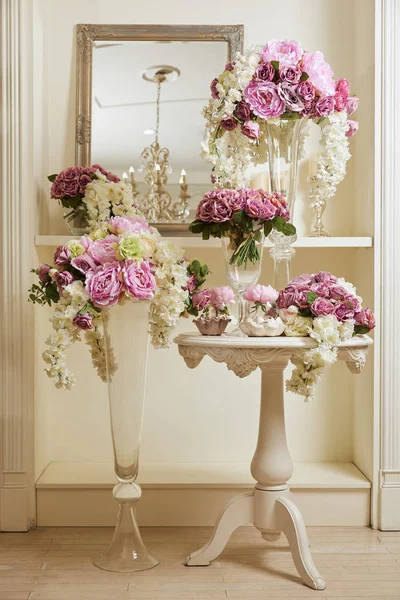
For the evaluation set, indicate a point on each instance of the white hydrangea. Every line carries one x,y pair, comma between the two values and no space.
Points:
104,198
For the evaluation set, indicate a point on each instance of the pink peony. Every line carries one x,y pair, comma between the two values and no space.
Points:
221,296
290,74
86,241
213,88
324,106
138,279
102,251
229,124
83,321
265,72
84,263
122,224
251,129
286,52
352,105
201,299
242,111
352,128
322,307
306,91
104,285
264,100
62,256
340,102
342,87
43,273
262,294
289,95
63,278
319,72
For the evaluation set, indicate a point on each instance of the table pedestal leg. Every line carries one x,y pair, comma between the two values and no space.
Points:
269,508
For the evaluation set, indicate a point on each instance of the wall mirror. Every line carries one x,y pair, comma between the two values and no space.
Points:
140,94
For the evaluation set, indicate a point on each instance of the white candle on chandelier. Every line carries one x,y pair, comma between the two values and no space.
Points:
183,177
124,177
158,167
132,175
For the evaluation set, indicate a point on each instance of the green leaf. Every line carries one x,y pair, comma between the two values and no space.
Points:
267,228
360,329
275,64
288,229
278,223
305,312
206,233
290,115
311,296
197,226
304,76
52,178
195,267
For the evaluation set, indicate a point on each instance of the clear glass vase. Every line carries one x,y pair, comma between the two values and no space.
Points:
283,137
77,220
126,340
240,277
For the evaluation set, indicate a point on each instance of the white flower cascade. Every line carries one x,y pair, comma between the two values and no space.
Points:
104,199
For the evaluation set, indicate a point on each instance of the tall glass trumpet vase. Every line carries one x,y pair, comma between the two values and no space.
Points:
240,277
127,341
283,137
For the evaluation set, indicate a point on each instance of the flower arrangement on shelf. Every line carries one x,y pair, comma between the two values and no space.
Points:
244,216
91,195
274,84
125,260
211,306
260,318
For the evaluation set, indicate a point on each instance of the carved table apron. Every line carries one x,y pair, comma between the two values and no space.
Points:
269,506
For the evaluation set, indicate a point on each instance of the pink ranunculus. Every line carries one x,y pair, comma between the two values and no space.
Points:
289,95
352,104
62,256
325,277
201,299
265,72
104,285
213,88
337,292
242,111
290,74
83,321
264,100
102,251
84,263
138,279
302,280
262,294
286,298
324,106
122,224
251,129
344,310
191,284
63,278
257,208
43,273
306,91
286,52
229,124
221,296
322,307
340,102
342,86
352,128
319,72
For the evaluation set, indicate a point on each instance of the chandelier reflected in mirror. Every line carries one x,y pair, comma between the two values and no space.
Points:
157,203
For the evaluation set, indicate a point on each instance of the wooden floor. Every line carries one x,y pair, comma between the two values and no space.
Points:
56,563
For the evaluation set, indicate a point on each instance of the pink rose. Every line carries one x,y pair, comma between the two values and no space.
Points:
289,95
290,74
201,299
308,110
84,180
319,72
67,183
229,66
256,208
321,289
352,128
205,210
321,307
242,111
301,280
264,100
343,87
265,72
251,129
83,263
221,296
110,176
122,224
63,278
286,298
43,273
102,251
352,104
229,124
366,318
83,321
138,279
306,91
344,310
215,207
280,204
326,278
62,255
213,88
340,102
104,285
237,201
262,294
337,292
325,106
300,298
191,284
286,52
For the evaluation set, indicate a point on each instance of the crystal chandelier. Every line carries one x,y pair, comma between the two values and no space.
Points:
157,203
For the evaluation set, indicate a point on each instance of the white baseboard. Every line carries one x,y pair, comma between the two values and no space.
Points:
79,494
389,501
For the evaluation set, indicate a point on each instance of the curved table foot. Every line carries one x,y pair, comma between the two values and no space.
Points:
290,521
239,511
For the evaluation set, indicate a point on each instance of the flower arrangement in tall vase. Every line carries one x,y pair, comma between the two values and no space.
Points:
109,288
258,112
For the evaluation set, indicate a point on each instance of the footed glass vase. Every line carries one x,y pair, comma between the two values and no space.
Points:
76,220
126,341
283,137
240,277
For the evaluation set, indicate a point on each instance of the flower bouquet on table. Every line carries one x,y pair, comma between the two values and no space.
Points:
261,318
91,195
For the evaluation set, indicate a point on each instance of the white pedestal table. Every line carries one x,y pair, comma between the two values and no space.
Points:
269,506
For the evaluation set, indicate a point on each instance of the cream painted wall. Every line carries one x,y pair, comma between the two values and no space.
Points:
207,414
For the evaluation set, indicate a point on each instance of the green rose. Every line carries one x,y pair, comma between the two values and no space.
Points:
130,247
75,248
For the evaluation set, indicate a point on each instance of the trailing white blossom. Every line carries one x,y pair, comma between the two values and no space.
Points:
104,198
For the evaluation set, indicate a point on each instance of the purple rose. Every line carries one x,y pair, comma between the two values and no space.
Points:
290,74
104,285
308,110
222,210
286,298
229,66
264,99
343,87
251,129
191,284
83,182
43,273
321,307
83,263
306,91
300,298
62,255
110,176
340,102
326,278
138,279
257,208
352,128
352,104
289,95
366,318
265,72
237,201
63,278
344,310
201,299
213,88
102,251
205,210
280,204
69,180
337,292
324,106
242,111
286,52
215,207
321,289
83,321
229,124
301,280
